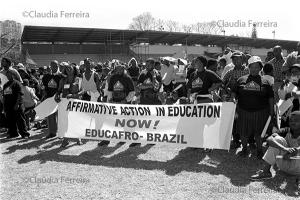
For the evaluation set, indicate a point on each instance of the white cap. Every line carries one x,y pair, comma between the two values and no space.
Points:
254,59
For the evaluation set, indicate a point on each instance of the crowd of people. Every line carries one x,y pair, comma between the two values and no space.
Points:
254,85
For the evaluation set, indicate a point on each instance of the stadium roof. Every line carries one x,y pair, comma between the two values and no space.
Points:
49,34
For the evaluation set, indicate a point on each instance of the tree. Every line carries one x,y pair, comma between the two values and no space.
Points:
172,26
159,25
187,28
143,22
207,28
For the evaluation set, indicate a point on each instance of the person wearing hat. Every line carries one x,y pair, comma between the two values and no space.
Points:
14,107
237,70
229,79
283,152
255,103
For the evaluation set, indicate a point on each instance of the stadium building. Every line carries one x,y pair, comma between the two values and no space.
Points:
44,44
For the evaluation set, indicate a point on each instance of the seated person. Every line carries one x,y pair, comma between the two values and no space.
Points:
288,148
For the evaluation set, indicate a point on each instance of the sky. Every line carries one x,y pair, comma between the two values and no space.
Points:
236,17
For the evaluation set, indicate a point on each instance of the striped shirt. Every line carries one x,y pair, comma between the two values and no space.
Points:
233,75
277,65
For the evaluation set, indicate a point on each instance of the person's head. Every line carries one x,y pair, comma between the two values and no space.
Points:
294,122
5,63
255,65
165,62
212,64
54,66
200,63
237,59
48,70
157,65
222,63
119,69
68,70
227,50
277,51
105,70
34,73
25,82
20,66
295,73
270,56
87,63
150,64
298,47
132,63
268,69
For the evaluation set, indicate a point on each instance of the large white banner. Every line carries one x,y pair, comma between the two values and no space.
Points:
203,125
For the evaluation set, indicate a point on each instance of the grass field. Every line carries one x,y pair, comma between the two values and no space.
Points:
37,168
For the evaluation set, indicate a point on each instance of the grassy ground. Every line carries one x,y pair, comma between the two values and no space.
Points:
39,169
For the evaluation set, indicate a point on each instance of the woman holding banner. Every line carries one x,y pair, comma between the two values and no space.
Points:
255,98
120,90
202,82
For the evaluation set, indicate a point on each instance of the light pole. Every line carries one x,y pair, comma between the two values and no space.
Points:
223,31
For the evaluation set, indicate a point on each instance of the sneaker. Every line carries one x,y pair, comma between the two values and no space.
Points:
261,175
64,143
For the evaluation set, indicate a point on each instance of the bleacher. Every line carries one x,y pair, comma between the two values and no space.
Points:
45,59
